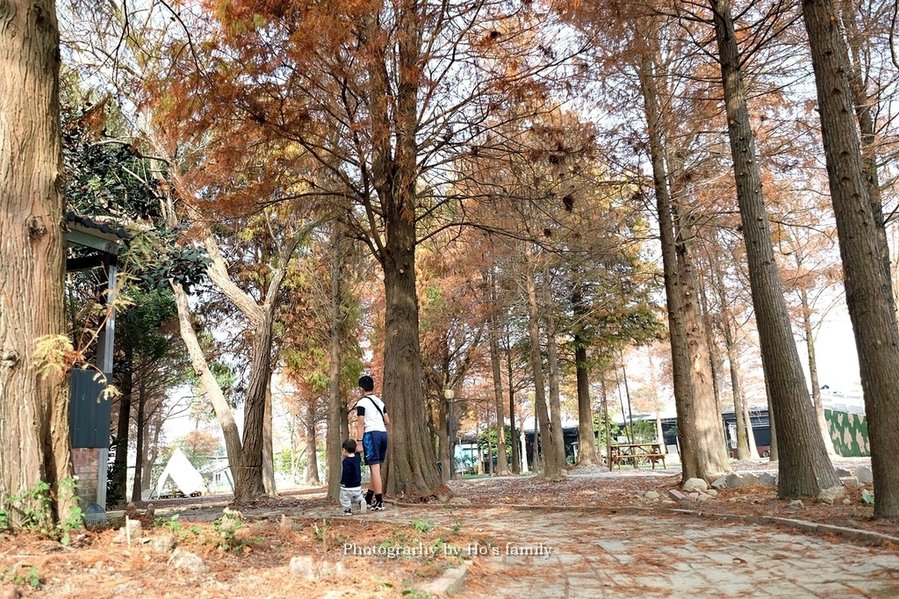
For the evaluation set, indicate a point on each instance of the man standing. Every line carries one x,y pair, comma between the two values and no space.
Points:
371,430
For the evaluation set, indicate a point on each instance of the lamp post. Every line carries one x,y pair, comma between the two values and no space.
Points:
449,394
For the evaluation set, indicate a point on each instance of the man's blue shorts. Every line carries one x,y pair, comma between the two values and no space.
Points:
375,445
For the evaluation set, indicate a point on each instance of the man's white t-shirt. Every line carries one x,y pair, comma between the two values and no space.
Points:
373,421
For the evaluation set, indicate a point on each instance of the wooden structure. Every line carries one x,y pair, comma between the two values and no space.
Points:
97,246
635,454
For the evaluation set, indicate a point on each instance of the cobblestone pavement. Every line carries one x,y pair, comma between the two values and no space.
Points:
595,554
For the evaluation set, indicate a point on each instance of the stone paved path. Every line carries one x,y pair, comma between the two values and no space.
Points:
595,554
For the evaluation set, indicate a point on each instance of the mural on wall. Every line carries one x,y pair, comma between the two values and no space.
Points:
849,433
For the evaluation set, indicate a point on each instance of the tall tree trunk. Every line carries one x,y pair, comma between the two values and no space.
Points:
750,433
34,425
443,439
311,476
522,451
151,449
607,423
865,110
268,450
336,416
139,449
657,402
552,362
728,327
737,390
628,428
223,411
715,360
411,468
552,458
869,297
489,448
805,468
813,372
502,467
250,485
586,438
248,479
700,437
772,427
517,449
123,426
627,395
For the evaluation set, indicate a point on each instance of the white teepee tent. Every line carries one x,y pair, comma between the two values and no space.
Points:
185,476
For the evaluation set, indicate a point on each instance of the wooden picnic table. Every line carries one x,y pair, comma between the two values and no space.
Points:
636,453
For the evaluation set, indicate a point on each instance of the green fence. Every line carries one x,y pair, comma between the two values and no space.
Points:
849,433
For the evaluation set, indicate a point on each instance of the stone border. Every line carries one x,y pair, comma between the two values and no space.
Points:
449,583
867,536
855,534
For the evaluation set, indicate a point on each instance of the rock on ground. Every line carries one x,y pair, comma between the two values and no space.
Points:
830,495
720,483
750,479
163,544
864,475
695,484
190,562
307,567
733,481
768,480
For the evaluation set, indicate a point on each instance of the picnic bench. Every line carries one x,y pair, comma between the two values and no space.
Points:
635,453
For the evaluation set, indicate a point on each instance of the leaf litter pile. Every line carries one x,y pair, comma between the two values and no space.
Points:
235,555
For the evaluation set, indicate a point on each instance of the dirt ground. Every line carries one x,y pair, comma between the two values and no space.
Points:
254,561
251,556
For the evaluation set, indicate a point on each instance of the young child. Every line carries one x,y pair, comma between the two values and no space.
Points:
351,479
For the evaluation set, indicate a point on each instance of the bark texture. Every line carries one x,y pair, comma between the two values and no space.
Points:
502,465
336,415
34,428
140,449
699,425
586,438
268,450
311,475
804,468
813,371
123,427
552,456
552,363
411,467
517,448
868,290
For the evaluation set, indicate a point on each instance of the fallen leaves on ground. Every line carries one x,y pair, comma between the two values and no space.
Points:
610,490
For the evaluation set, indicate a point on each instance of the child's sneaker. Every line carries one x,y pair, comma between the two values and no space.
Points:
377,507
348,512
